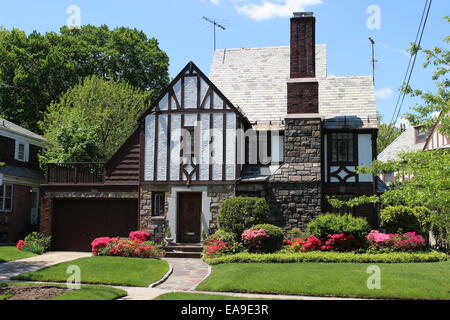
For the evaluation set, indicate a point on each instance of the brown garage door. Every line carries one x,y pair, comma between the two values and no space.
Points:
77,222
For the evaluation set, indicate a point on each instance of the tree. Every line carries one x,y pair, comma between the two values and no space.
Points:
438,102
91,120
387,133
36,69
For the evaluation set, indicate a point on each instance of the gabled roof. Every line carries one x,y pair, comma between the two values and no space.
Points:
256,79
406,142
8,126
189,70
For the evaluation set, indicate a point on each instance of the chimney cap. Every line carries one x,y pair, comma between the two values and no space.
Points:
303,14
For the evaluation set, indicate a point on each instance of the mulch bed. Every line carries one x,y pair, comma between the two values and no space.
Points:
38,292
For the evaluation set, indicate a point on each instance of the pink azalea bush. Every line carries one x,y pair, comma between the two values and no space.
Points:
312,244
253,238
213,248
341,242
410,241
136,246
20,244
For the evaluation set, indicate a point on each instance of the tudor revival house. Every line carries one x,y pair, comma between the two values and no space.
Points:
267,122
20,178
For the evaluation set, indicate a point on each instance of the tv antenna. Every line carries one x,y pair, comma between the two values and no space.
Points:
373,58
216,25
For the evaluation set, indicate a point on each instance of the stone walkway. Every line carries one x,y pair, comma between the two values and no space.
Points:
187,274
13,268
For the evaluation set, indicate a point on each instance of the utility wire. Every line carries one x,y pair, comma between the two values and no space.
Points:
411,65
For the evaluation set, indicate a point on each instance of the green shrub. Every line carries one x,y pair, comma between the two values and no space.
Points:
331,257
329,224
223,236
241,213
275,240
37,243
401,219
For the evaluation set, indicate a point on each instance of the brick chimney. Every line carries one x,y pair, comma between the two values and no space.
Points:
303,88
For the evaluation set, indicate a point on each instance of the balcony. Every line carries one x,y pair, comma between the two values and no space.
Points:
75,173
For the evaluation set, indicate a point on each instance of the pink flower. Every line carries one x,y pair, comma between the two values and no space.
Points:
140,236
20,244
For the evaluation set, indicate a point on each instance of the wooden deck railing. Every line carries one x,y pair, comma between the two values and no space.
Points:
75,173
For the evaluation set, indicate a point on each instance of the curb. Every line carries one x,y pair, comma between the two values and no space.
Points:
163,279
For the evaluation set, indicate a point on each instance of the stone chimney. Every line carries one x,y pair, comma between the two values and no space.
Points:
303,87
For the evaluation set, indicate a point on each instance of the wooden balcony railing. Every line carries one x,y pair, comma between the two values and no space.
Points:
75,173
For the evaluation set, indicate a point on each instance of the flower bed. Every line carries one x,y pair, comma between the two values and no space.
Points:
331,257
136,246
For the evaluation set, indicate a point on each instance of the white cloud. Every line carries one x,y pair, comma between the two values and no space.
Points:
267,9
384,93
216,2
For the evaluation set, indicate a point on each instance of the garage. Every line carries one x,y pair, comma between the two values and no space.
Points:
77,222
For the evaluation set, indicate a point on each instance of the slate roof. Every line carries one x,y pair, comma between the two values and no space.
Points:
406,142
256,79
14,128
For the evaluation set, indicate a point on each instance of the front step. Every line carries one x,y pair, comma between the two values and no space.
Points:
183,251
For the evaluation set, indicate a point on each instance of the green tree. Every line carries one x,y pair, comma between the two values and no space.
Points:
387,133
434,102
36,69
91,120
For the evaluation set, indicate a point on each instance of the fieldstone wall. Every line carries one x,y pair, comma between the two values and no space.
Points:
154,225
295,190
218,193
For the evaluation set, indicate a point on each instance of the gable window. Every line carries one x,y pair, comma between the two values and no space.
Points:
158,204
6,197
343,148
22,151
188,142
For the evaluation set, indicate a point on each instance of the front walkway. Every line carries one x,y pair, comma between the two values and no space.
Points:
14,268
187,274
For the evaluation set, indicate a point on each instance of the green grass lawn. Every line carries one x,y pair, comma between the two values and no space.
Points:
10,253
398,280
198,296
87,292
105,270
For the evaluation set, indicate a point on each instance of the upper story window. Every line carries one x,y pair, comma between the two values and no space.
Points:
6,197
343,148
22,151
189,142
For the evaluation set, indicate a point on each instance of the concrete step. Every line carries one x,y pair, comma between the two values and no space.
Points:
184,248
182,254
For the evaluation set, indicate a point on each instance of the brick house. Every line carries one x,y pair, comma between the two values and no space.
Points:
267,122
20,180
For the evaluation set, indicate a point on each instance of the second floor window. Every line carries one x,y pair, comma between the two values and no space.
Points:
342,148
22,150
6,198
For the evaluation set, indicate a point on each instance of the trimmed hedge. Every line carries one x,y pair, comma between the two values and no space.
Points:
402,219
240,213
330,223
331,257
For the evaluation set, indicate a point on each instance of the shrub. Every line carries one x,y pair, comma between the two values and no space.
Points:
312,244
294,244
329,224
35,242
139,236
216,248
223,236
253,239
241,213
331,257
396,242
400,219
274,239
341,242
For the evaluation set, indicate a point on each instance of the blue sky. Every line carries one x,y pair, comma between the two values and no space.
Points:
341,25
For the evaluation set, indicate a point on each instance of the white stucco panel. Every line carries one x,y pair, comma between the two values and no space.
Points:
162,148
190,92
149,148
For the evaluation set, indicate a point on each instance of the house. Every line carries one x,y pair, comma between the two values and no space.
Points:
20,179
267,122
413,139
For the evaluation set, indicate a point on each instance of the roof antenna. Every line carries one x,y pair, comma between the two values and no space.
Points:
216,25
373,59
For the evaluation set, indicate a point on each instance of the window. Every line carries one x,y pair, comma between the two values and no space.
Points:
188,142
158,204
6,197
22,150
343,148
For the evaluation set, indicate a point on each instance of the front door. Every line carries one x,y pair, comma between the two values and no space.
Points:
189,217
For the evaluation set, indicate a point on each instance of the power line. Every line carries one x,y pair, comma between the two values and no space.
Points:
216,25
411,65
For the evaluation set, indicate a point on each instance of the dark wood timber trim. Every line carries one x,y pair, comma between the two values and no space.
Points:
211,142
224,144
181,149
198,91
142,128
198,147
182,92
169,138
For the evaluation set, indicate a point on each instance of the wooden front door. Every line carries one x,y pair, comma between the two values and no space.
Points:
189,217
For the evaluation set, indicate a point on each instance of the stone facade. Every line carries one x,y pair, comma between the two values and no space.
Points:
295,190
218,193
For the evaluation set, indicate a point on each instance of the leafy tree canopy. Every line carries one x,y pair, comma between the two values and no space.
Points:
36,69
91,120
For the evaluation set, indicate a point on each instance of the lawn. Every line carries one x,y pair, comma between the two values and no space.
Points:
398,280
105,270
198,296
10,253
86,292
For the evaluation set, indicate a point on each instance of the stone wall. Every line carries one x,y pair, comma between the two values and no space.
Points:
218,193
295,190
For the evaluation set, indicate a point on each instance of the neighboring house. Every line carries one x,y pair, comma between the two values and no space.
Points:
20,178
411,140
268,122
